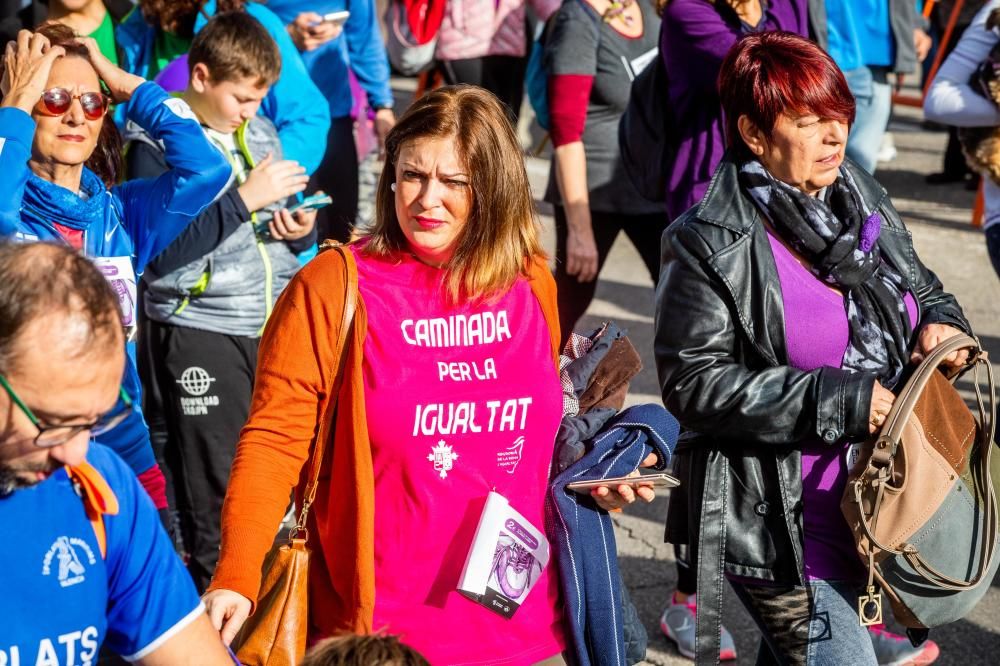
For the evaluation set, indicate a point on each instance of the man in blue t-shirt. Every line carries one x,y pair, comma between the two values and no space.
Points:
870,39
86,561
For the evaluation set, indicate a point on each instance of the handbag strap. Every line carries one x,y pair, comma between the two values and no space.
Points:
888,442
350,287
908,397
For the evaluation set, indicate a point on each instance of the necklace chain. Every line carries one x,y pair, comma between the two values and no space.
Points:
617,10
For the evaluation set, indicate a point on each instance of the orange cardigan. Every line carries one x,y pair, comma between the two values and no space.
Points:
293,376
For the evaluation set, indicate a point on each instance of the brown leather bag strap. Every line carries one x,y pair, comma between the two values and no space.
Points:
907,400
350,287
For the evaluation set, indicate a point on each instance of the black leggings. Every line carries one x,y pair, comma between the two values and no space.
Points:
574,297
337,175
501,75
687,580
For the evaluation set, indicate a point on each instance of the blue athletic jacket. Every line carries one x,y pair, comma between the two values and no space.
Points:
359,47
136,219
294,104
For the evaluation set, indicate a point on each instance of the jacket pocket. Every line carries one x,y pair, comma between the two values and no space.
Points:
759,514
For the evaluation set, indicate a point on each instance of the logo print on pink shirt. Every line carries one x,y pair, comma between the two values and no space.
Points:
511,456
443,458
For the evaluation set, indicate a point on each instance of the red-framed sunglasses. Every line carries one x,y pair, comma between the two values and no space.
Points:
57,101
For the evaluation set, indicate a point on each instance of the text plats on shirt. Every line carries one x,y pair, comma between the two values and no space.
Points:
459,418
74,648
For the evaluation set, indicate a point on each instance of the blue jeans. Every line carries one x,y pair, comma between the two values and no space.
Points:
873,100
816,625
993,245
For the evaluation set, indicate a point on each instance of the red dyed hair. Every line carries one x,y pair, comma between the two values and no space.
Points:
769,73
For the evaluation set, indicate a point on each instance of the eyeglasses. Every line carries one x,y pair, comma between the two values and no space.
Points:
58,100
49,436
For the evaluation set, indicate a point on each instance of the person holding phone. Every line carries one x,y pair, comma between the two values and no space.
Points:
332,49
208,294
429,417
310,30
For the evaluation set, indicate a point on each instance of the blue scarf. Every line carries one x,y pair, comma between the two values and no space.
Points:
56,204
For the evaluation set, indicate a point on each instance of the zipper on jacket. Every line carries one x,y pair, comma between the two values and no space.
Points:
194,292
241,143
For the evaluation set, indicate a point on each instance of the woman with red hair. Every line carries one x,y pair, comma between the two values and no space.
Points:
790,303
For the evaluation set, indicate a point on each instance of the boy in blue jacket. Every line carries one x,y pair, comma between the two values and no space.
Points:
209,294
53,136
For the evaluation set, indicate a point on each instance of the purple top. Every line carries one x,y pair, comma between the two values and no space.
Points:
695,39
816,335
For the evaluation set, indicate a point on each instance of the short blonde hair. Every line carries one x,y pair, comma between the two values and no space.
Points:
501,237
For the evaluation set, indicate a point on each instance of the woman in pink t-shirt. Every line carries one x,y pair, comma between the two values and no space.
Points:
451,395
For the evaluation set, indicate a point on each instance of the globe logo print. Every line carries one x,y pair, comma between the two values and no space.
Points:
196,381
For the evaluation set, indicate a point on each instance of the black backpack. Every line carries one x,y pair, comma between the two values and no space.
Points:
645,139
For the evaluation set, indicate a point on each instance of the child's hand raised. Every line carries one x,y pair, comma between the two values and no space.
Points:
272,181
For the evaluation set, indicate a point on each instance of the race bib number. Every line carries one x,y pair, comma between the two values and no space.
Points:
119,274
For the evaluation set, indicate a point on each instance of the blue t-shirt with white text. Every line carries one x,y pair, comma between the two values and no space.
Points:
61,600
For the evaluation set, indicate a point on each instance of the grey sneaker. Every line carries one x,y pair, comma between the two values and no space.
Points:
677,623
895,650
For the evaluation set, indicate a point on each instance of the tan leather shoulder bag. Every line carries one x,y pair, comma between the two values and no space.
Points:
275,635
921,501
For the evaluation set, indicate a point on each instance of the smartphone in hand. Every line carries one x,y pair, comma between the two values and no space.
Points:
655,481
336,17
314,202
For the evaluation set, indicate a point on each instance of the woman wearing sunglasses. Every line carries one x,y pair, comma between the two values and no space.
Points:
59,164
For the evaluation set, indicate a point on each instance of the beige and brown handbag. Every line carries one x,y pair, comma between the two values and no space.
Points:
921,500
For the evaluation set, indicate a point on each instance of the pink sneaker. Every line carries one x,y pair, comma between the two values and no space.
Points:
896,650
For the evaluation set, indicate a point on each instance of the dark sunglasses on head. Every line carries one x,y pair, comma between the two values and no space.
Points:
58,100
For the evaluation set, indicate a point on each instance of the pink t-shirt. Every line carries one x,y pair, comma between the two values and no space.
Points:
460,401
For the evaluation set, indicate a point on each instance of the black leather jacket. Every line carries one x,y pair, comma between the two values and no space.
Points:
724,373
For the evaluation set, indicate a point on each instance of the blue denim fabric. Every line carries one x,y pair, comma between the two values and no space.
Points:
993,245
835,636
873,97
599,630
